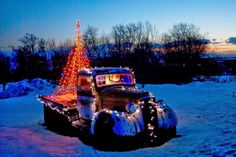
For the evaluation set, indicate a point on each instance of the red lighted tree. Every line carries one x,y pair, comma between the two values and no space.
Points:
77,60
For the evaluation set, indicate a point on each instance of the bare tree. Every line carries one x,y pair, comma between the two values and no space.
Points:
51,47
29,42
42,45
183,47
24,53
133,37
184,40
105,46
119,38
31,57
59,56
90,37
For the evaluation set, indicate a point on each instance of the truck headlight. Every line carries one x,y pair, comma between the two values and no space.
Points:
131,107
161,104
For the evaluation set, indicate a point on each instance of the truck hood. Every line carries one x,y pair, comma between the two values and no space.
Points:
123,91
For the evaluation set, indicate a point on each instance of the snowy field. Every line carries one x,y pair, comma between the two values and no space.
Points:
206,113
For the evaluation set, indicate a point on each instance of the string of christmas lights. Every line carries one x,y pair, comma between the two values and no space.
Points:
77,60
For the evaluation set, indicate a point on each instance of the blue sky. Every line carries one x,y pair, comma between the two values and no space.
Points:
56,18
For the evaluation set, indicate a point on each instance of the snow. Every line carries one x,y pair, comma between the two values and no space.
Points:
206,113
24,87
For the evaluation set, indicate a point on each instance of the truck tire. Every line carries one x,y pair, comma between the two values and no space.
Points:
103,125
172,132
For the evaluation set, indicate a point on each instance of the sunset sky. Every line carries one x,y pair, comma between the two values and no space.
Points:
56,18
222,47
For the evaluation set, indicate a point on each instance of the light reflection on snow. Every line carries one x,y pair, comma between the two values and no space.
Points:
24,138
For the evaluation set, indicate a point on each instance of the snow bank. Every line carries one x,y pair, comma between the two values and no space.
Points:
24,87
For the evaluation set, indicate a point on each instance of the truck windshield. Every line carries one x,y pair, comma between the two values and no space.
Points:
114,79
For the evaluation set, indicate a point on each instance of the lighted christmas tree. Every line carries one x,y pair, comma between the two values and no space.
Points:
77,60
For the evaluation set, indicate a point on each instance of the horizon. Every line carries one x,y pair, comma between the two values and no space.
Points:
218,48
56,19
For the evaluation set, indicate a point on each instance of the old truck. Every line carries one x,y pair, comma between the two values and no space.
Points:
109,103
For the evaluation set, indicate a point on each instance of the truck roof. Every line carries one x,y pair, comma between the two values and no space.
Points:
99,71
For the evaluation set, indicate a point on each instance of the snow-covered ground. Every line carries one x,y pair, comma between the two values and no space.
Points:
24,87
206,113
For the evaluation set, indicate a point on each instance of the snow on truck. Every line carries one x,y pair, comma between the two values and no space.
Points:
108,103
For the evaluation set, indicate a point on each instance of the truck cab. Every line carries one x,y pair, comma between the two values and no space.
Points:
105,88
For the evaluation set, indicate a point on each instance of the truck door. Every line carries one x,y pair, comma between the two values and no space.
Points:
86,103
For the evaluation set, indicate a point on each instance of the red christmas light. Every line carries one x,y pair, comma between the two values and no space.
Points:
77,60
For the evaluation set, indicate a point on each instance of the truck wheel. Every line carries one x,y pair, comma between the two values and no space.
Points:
172,131
103,125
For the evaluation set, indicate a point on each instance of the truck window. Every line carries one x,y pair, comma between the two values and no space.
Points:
114,79
84,83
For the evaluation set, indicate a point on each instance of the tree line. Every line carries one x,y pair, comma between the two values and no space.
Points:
173,57
34,57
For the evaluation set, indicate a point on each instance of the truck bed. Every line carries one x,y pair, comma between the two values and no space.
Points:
65,100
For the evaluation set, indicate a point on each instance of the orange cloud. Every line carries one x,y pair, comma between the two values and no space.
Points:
222,47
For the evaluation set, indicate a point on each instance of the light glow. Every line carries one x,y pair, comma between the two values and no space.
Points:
77,60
